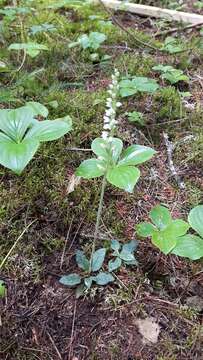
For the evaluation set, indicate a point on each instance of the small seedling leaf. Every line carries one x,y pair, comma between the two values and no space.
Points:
115,245
82,261
126,255
131,246
98,259
70,280
104,278
114,264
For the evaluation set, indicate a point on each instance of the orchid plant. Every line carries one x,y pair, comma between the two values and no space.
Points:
115,165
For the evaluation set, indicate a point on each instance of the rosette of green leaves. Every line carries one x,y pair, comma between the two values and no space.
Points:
21,134
124,254
92,41
170,236
88,267
118,165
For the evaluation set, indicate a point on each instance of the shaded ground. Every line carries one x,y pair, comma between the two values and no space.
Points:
40,319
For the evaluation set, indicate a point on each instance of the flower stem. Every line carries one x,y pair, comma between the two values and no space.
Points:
99,212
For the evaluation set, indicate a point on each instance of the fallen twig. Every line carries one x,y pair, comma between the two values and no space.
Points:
178,29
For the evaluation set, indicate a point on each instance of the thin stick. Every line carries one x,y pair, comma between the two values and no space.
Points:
54,345
72,331
66,240
178,29
170,148
15,243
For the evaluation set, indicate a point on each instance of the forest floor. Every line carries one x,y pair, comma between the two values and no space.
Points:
39,318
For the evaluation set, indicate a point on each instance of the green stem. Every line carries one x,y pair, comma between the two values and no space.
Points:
99,212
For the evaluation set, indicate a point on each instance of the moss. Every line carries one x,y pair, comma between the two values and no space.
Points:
167,104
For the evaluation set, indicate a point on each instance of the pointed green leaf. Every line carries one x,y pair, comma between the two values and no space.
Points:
104,278
145,229
160,216
124,177
70,280
195,219
48,130
82,261
136,154
98,259
15,156
114,264
91,168
190,246
37,108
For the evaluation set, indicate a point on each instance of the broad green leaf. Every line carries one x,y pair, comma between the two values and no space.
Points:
31,48
190,246
126,255
104,278
136,154
115,245
107,151
195,219
15,156
88,281
114,264
124,177
131,246
145,84
48,130
127,88
37,108
82,261
131,262
98,259
137,84
91,168
145,229
160,216
15,123
178,227
70,280
163,241
2,289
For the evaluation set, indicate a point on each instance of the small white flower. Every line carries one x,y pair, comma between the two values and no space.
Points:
107,127
118,104
105,135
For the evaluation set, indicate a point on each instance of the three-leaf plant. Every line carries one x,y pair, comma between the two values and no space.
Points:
171,74
137,84
170,236
91,41
31,48
118,166
21,134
